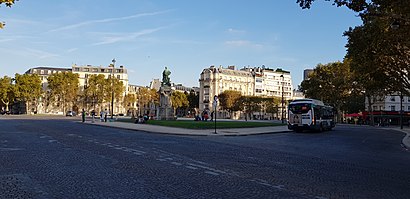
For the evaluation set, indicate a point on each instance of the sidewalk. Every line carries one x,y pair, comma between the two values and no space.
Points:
191,132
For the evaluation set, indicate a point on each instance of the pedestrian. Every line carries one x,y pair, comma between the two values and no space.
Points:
83,115
105,115
212,116
93,115
102,116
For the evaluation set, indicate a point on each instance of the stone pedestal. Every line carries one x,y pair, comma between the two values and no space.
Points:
166,112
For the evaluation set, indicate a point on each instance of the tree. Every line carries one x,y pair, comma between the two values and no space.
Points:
129,100
193,99
251,104
379,49
95,89
7,93
330,83
27,88
113,85
179,100
271,105
231,101
63,88
8,3
370,75
144,97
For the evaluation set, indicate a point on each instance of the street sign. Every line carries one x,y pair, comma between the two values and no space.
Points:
215,103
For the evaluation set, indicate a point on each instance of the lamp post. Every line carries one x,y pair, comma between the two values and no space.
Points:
282,97
401,109
112,88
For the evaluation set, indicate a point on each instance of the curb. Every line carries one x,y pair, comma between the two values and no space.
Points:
406,140
182,134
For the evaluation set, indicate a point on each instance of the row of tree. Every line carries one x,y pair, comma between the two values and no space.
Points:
233,101
24,88
378,54
63,89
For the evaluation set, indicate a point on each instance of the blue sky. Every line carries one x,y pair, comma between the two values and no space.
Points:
185,35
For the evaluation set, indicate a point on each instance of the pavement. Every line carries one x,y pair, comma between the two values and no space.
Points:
221,132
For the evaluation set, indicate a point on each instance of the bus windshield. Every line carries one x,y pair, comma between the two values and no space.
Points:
299,108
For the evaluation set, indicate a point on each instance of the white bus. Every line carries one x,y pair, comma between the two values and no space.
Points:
310,114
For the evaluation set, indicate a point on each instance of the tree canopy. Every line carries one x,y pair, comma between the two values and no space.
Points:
231,100
179,100
7,92
64,87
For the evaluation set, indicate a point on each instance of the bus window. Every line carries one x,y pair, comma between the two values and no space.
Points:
299,108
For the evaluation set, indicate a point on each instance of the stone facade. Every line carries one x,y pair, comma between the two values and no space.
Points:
249,81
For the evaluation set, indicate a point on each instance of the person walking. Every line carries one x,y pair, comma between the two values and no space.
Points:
83,115
212,116
93,115
105,115
101,116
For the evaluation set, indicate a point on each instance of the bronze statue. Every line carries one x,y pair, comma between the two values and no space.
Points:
165,77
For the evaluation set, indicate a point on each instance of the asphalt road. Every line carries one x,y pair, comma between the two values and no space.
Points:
44,157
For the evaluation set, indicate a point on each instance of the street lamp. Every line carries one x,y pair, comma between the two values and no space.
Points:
283,78
112,88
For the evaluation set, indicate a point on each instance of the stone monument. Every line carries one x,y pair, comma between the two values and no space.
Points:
166,111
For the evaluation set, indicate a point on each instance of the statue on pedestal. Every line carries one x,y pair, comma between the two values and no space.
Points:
165,107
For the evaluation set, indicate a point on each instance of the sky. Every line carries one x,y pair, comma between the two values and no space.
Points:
187,36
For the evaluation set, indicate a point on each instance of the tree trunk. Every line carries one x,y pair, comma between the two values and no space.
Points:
370,110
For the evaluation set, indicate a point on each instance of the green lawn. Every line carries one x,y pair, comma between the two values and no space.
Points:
190,124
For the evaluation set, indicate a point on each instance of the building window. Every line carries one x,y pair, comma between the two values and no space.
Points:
393,108
374,108
76,69
392,98
95,69
86,76
118,76
86,69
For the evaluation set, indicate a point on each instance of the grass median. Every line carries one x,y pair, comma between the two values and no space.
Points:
190,124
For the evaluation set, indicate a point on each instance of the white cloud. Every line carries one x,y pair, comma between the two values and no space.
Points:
39,53
243,43
107,20
5,40
114,38
72,50
235,31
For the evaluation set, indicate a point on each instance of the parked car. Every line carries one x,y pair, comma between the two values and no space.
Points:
70,113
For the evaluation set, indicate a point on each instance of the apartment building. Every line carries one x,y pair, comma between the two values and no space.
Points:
250,81
215,80
84,72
